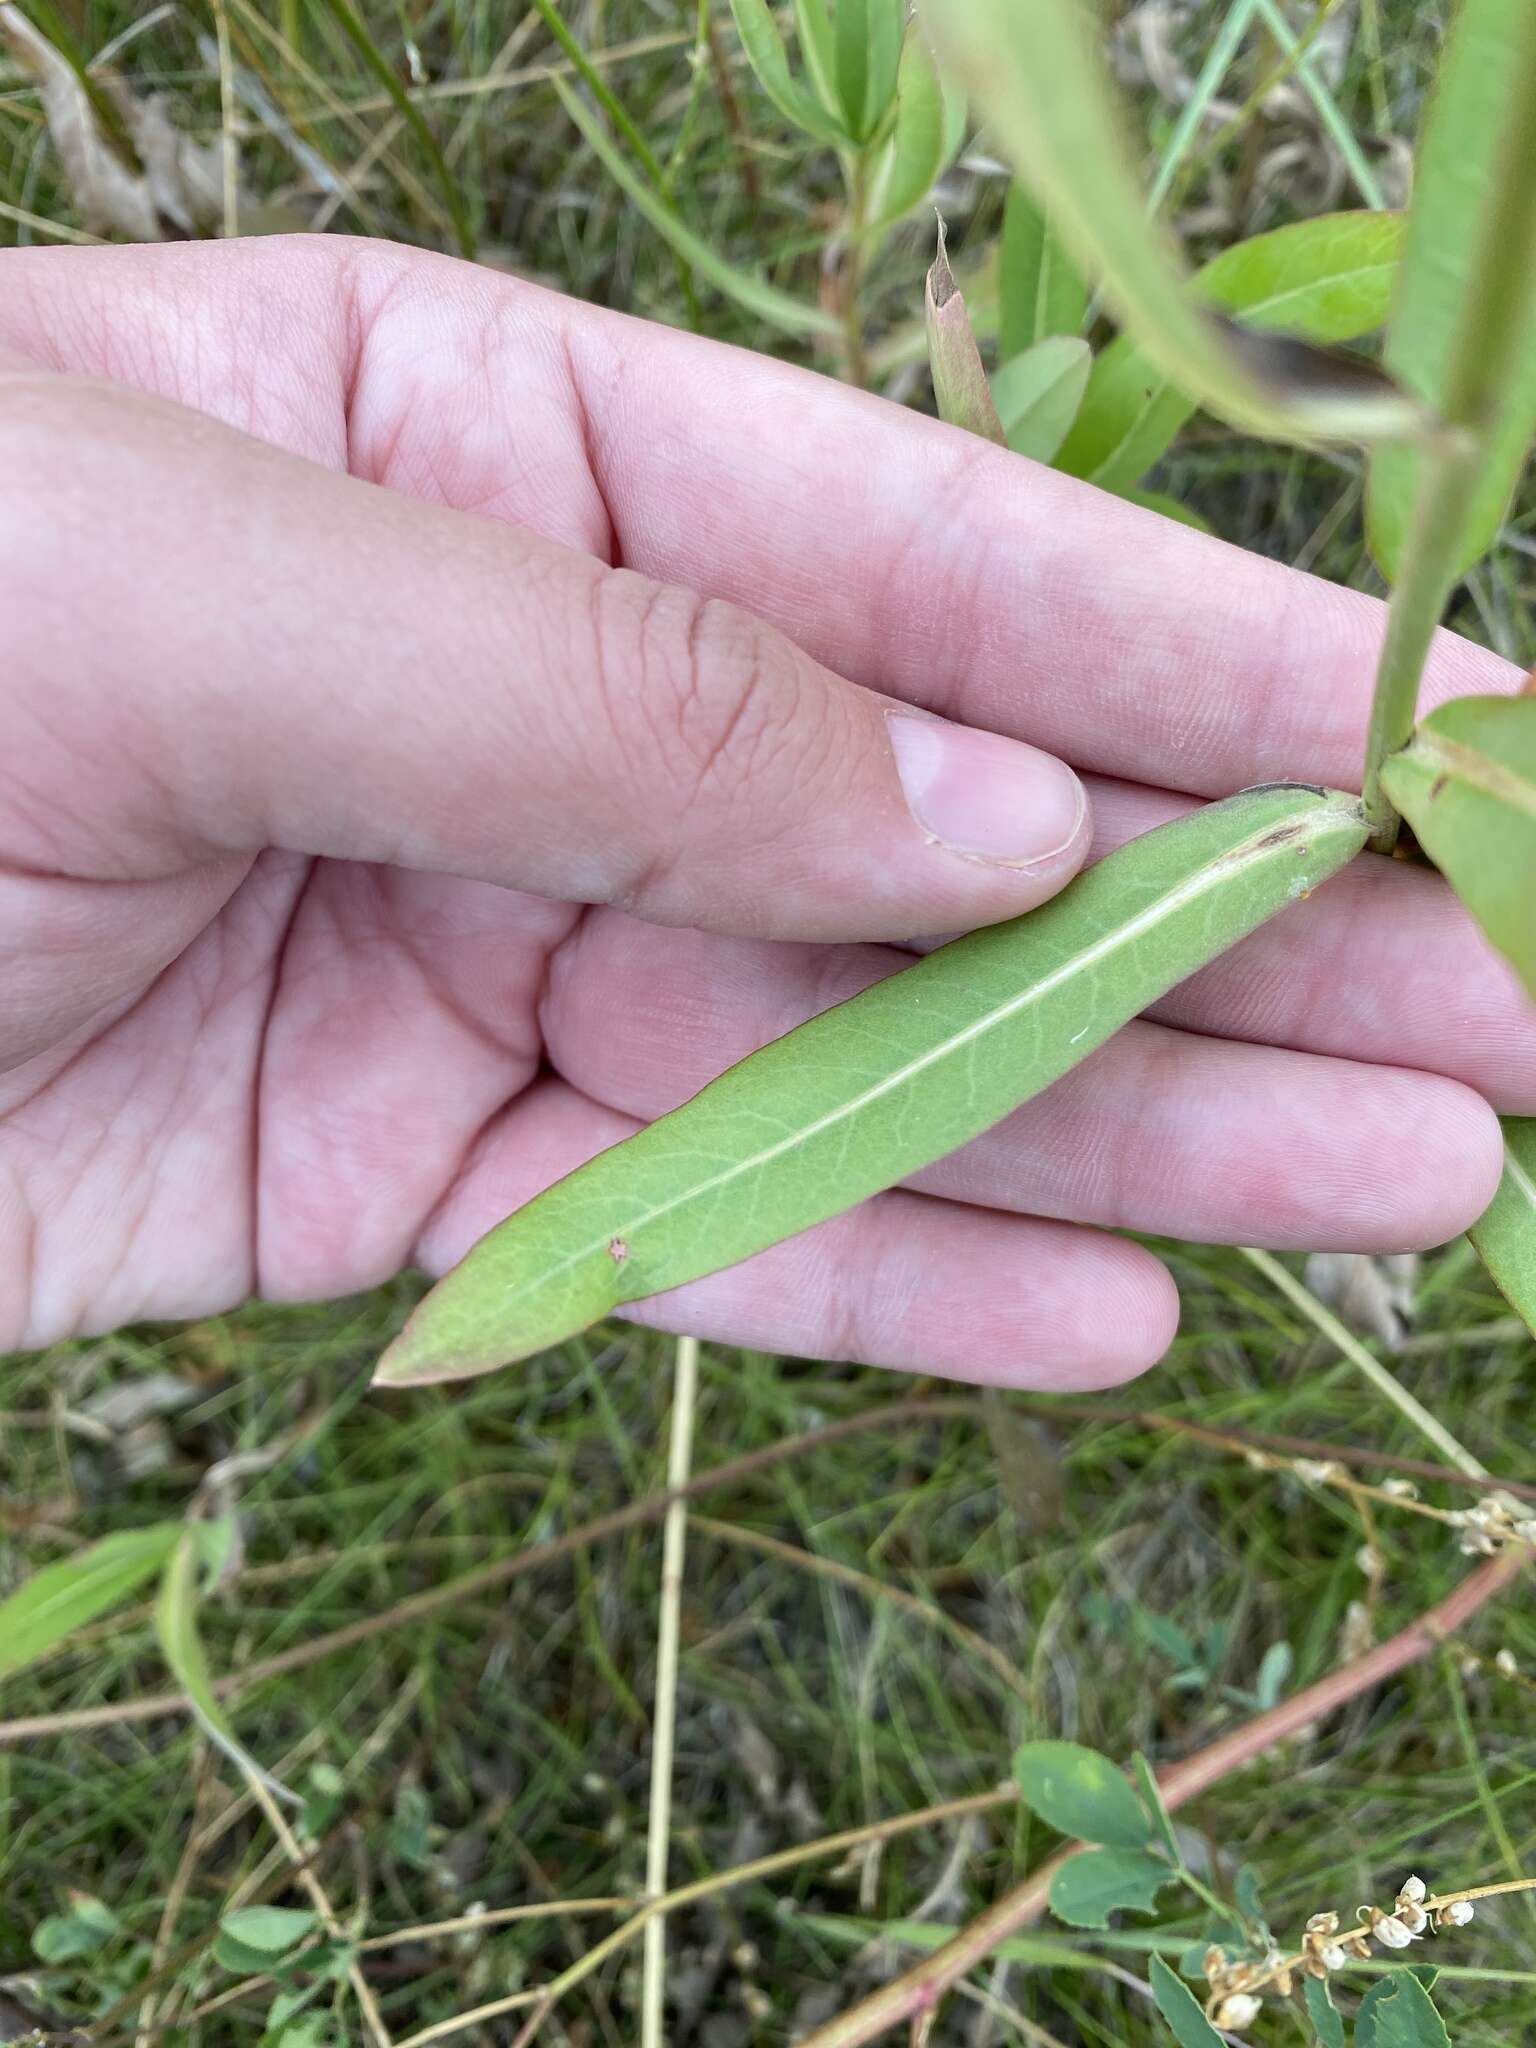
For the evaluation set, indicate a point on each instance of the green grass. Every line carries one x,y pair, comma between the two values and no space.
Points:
495,1751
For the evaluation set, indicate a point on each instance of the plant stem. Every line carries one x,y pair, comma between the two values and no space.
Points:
851,283
920,1989
1492,326
674,1530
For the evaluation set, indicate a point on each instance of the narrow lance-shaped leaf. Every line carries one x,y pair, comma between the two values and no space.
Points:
1466,783
770,61
916,152
1089,1887
1039,289
182,1647
1505,1234
867,49
960,387
1037,73
1037,394
813,25
1457,164
867,1093
47,1608
795,316
1181,2009
1328,279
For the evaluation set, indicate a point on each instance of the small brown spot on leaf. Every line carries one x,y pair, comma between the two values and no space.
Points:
618,1250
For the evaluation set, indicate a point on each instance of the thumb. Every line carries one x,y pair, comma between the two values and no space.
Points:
264,652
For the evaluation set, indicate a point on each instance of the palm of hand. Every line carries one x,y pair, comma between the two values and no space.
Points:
297,1074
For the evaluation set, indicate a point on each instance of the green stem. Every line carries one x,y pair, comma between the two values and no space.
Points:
855,359
1492,326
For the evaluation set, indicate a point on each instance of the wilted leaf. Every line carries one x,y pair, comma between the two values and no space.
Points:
1505,1234
1458,163
1328,280
1466,782
870,1091
1089,1887
1399,2013
1081,1793
48,1607
960,387
177,184
1327,2023
1179,2007
1039,77
1037,394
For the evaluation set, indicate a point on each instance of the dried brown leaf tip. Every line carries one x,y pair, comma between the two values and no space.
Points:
960,387
175,187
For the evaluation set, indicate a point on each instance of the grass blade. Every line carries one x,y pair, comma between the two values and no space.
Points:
1465,129
778,309
46,1609
356,32
1037,394
1039,292
1048,97
866,1093
1328,279
770,61
1467,784
1505,1236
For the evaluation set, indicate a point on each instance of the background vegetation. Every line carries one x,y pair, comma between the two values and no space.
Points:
872,1622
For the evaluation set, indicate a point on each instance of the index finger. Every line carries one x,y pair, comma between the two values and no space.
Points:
923,561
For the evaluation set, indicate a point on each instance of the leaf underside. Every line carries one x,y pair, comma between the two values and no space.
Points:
868,1092
1505,1235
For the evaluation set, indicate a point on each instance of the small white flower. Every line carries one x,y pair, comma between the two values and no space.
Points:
1369,1560
1317,1471
1526,1530
1391,1932
1238,2011
1400,1489
1459,1914
1505,1662
1414,1918
1332,1956
1414,1892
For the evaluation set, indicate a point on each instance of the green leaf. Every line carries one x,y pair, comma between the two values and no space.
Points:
47,1608
1039,292
1152,1800
1167,507
1505,1234
1180,2008
1274,1670
1039,77
1088,1888
960,388
272,1929
862,1096
1328,280
867,51
86,1928
1398,2012
1323,2013
813,25
916,151
1082,1793
1456,170
770,61
1466,782
244,1961
778,309
1037,394
182,1648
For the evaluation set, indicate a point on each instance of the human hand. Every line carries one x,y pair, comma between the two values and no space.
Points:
370,857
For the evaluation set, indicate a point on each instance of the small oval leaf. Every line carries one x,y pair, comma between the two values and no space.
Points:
1505,1234
1088,1888
1082,1794
1466,782
1327,2022
870,1091
1180,2008
1399,2013
273,1929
